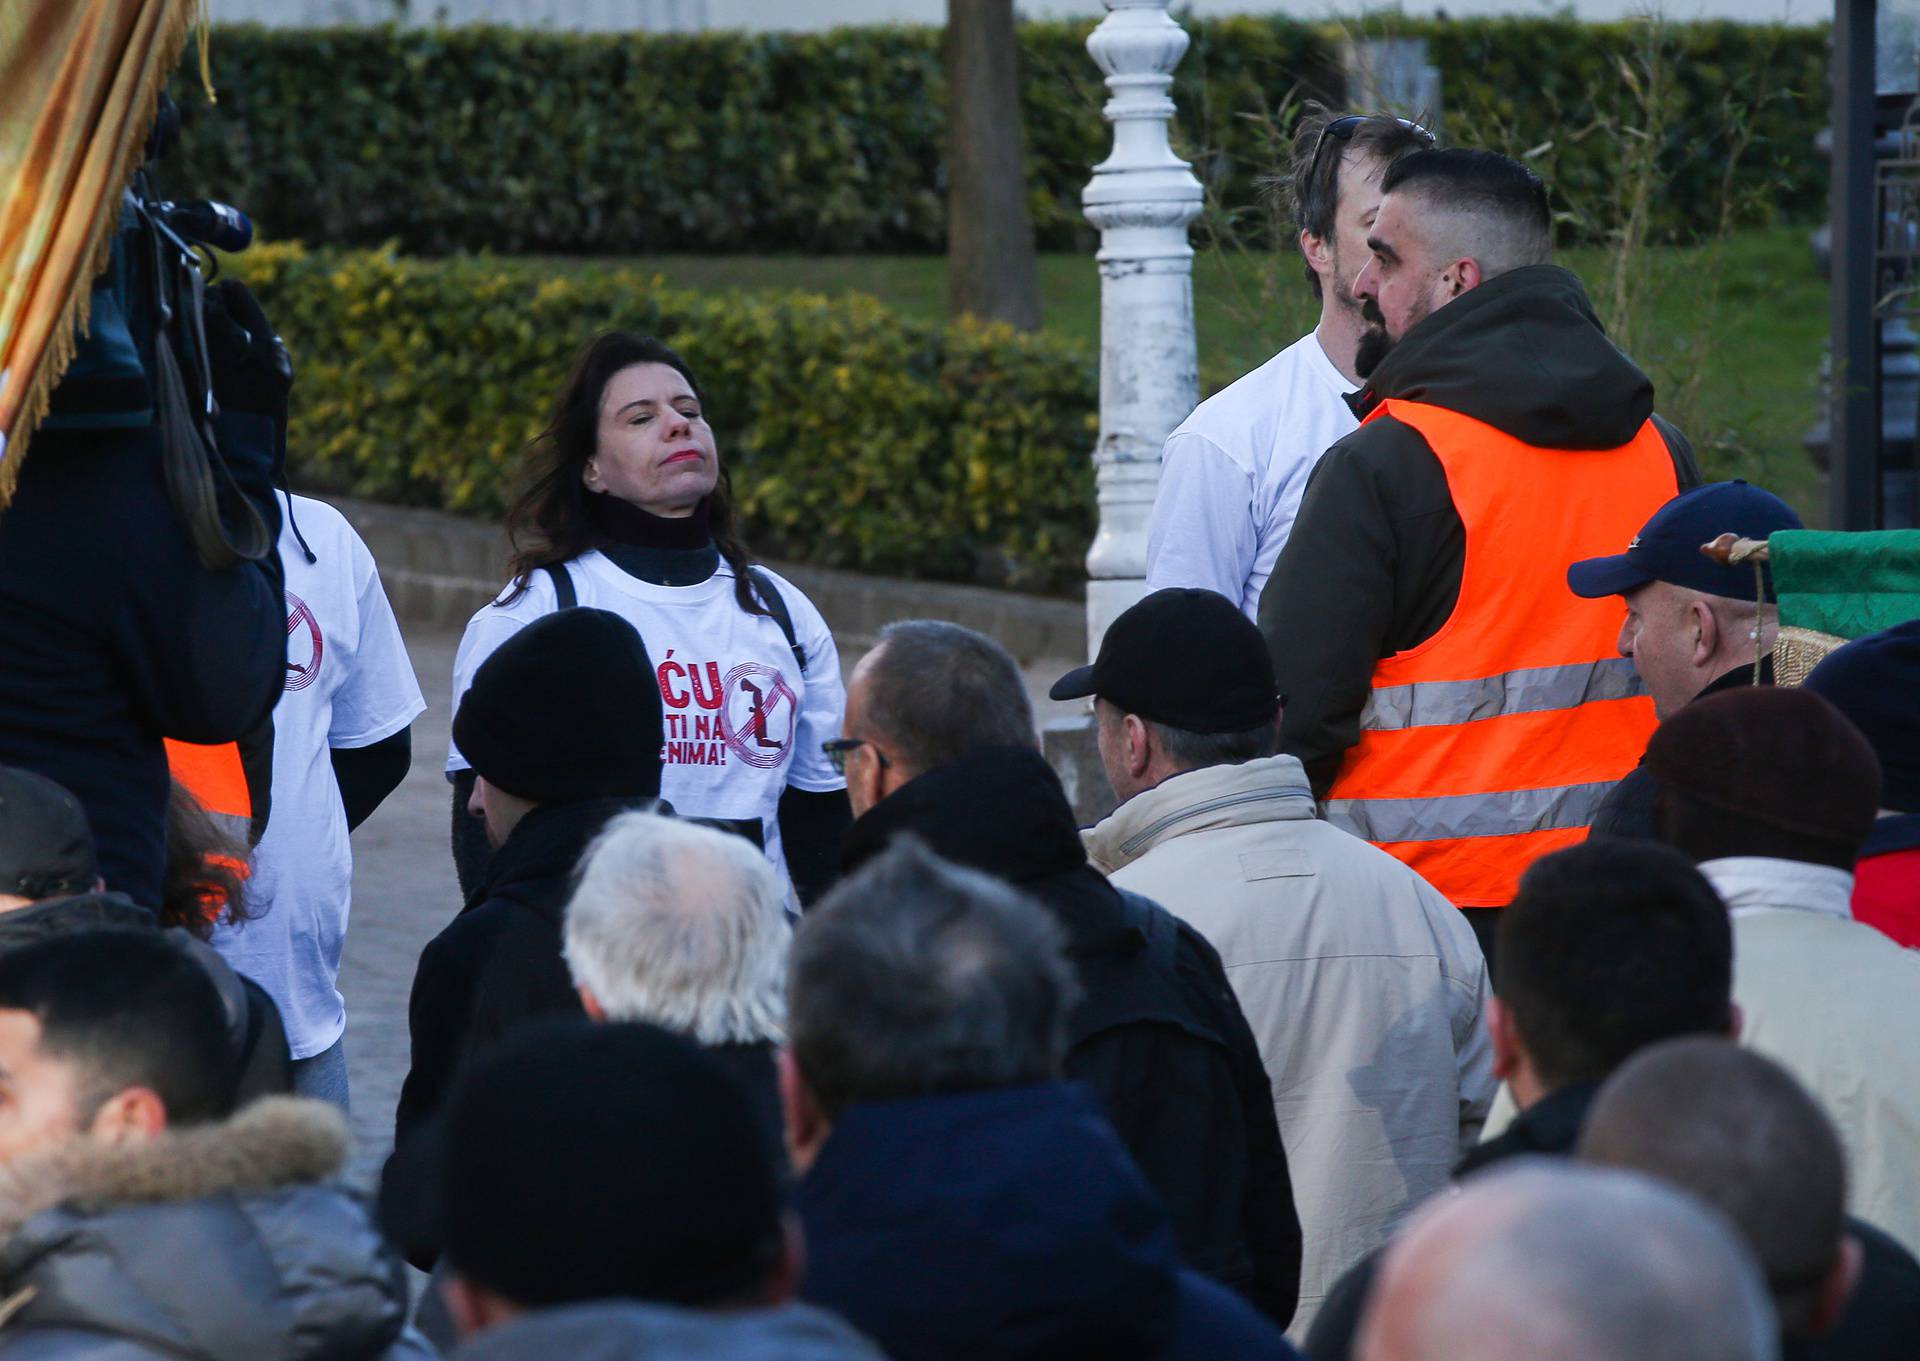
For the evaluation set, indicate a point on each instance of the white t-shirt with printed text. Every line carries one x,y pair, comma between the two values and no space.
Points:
742,722
1232,474
349,683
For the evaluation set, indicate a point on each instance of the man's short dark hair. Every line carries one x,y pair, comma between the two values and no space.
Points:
1608,947
1314,171
1199,750
127,1009
1506,202
915,977
1734,1128
937,691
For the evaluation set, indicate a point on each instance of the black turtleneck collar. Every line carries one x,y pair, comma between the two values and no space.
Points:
654,548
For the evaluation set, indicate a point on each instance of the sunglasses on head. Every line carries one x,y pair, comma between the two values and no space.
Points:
1342,130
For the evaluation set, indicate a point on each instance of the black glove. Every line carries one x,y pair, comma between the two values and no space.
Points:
252,370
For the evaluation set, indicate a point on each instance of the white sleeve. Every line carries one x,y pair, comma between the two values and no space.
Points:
380,695
489,628
1201,532
825,704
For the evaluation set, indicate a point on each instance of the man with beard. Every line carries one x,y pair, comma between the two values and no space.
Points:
1452,700
1231,476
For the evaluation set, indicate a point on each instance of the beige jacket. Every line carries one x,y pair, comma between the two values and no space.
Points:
1838,1005
1364,987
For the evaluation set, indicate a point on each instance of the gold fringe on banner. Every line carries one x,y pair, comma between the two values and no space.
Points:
79,83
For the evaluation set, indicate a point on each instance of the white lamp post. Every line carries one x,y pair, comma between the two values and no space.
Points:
1142,198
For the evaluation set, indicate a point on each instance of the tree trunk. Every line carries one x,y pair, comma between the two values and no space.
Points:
991,271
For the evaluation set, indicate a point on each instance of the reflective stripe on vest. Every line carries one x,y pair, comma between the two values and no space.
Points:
1493,742
215,776
1531,690
1511,812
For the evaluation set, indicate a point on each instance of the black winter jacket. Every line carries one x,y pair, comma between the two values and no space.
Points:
1373,564
213,1243
1157,1035
115,636
499,963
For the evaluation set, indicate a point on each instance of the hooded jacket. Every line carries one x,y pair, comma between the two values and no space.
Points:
1006,1225
1157,1035
1365,989
212,1243
1374,562
619,1330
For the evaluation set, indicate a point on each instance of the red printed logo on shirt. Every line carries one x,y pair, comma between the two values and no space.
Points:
301,674
747,715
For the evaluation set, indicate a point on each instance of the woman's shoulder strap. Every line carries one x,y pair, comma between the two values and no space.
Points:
777,607
565,596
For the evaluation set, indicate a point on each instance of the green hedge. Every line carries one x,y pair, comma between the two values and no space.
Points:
524,141
856,437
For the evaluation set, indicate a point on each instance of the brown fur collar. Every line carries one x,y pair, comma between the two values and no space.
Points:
279,1141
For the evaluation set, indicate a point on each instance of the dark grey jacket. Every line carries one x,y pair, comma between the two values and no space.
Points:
618,1330
214,1243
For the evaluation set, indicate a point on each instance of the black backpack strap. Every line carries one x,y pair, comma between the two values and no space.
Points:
777,607
562,581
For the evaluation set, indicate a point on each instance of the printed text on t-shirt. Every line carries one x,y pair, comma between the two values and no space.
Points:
711,719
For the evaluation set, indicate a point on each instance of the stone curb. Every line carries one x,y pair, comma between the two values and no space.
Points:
439,568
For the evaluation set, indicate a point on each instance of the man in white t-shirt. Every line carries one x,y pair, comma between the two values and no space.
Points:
1232,475
341,743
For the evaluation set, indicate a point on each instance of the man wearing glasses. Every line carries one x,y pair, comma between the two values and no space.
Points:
1232,475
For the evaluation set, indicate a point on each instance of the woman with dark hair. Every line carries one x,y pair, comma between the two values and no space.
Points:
629,509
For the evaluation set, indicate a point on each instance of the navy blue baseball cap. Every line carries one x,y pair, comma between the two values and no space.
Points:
1667,548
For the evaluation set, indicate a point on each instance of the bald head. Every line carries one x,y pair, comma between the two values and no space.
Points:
1736,1130
1569,1263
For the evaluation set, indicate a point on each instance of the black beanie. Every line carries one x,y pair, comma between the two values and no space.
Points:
566,709
1772,756
595,1162
1875,681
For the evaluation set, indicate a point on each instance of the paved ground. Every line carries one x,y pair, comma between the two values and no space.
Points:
404,891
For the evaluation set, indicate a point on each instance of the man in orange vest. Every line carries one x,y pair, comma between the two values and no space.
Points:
1453,702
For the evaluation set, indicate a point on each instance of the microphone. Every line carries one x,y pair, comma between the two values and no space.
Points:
220,225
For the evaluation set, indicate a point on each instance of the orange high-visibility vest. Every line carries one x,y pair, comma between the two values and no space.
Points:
215,776
1493,742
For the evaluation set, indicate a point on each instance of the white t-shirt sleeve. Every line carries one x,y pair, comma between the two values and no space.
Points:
380,695
489,628
1201,532
825,704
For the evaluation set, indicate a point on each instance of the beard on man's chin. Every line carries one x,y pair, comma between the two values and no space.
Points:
1375,344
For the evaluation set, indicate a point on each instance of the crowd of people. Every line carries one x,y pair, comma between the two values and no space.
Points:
1483,957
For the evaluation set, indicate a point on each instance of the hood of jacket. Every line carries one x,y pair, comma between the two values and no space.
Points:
538,857
1271,789
1525,354
213,1242
991,1225
619,1330
1000,810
